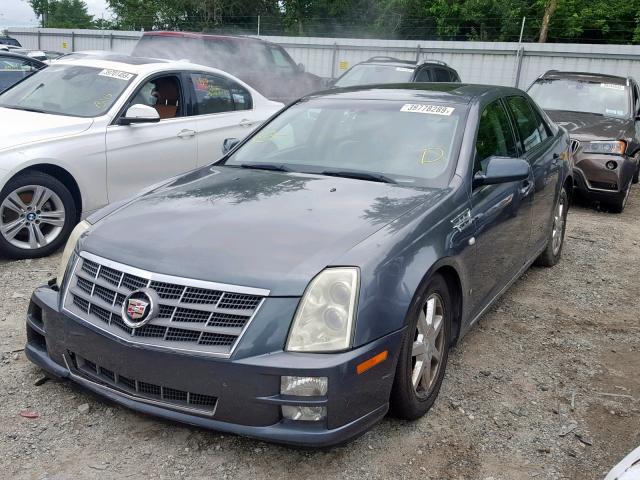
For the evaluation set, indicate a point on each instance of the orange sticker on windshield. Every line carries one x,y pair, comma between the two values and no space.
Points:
432,155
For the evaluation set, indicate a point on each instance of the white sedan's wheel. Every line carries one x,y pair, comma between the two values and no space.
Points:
31,217
37,214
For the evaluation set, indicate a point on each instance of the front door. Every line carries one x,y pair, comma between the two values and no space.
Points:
543,152
142,154
501,213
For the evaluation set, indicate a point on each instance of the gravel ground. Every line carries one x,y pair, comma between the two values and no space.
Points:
546,385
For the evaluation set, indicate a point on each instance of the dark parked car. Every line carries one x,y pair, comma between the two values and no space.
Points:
9,41
602,114
265,66
318,273
15,67
381,70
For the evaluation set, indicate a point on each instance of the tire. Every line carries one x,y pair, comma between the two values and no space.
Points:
37,214
553,251
411,402
618,205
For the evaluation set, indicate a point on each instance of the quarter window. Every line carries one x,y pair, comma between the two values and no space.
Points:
495,137
530,126
218,95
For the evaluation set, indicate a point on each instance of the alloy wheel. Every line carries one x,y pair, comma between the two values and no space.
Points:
31,217
558,225
428,346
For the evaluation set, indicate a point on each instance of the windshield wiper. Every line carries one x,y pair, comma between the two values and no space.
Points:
372,177
265,166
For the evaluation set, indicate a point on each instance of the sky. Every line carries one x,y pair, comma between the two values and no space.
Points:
18,13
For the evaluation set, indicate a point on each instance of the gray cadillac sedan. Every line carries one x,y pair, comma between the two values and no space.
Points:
317,275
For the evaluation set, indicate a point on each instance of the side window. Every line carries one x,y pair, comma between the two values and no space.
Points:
213,94
280,59
219,95
636,99
441,75
241,97
424,75
530,126
495,136
163,94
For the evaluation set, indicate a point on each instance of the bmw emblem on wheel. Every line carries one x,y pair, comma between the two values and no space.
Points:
139,308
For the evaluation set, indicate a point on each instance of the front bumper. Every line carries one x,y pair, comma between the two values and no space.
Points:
599,183
246,391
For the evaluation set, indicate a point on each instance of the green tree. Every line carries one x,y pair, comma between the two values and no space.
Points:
62,13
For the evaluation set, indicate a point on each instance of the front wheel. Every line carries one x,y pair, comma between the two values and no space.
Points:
37,214
553,251
424,352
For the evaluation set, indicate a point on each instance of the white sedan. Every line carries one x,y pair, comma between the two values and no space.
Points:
91,130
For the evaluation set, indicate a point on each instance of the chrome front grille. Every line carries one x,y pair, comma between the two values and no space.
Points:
196,316
575,145
150,392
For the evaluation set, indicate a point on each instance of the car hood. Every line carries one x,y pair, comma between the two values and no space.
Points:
20,127
588,126
251,228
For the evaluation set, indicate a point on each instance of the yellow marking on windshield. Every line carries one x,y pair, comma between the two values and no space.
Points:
432,155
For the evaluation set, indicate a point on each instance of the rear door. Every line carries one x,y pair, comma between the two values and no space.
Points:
223,109
502,212
542,150
146,153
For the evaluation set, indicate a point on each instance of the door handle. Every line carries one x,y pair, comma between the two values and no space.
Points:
245,123
186,133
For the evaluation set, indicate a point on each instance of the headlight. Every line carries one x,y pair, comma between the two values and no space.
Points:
76,233
325,317
613,147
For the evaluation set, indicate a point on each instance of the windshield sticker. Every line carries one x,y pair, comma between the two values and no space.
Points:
118,74
610,111
612,86
403,69
430,109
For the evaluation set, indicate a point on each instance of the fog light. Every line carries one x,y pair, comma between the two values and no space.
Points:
611,165
304,386
309,414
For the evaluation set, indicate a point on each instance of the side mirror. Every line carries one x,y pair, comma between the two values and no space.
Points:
229,144
502,170
330,82
139,113
301,68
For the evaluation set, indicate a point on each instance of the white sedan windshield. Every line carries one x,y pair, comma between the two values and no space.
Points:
68,90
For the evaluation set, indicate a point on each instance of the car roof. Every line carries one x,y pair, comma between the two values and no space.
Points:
396,62
206,36
584,76
459,93
139,65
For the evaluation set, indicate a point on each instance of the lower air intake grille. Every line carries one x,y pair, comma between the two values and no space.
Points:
179,399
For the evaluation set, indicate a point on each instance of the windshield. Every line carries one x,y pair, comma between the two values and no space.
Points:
607,99
367,74
401,141
68,90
